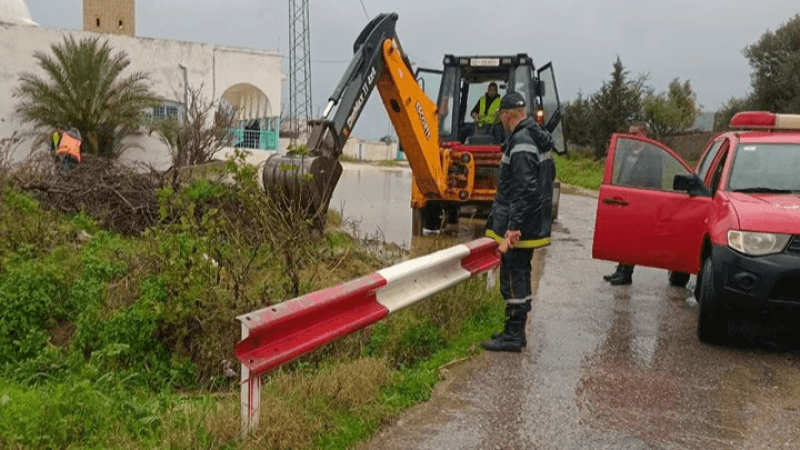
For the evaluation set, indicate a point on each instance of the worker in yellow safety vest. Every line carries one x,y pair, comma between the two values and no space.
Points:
485,111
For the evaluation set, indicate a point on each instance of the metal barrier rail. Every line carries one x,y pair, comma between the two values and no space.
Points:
278,334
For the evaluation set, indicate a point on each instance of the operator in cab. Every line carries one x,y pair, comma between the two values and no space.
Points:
521,213
485,113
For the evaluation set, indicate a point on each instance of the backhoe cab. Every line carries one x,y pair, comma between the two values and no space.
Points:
458,88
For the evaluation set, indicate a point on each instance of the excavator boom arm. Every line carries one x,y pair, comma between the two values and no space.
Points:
415,119
329,134
378,60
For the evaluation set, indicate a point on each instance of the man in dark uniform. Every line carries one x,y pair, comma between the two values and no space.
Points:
521,213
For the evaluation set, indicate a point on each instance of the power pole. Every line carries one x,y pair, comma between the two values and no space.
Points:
299,69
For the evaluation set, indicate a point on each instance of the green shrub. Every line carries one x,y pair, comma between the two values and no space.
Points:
201,190
31,300
82,412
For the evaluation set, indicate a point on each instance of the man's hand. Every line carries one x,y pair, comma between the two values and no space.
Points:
510,239
513,237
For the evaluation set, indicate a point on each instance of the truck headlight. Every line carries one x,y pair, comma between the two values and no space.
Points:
757,244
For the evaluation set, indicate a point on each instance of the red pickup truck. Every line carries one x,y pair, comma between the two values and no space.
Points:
734,220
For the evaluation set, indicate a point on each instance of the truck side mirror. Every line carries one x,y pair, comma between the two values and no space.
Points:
538,88
689,183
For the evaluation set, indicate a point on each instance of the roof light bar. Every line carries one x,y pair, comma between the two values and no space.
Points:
765,120
753,119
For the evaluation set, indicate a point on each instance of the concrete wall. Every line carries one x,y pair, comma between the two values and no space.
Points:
377,151
371,151
214,68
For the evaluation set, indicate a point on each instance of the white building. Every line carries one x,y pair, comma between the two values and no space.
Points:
249,80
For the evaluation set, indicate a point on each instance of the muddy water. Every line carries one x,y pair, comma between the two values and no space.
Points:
376,200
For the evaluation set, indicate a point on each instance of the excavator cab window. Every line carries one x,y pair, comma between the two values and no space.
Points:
484,131
446,99
430,81
522,83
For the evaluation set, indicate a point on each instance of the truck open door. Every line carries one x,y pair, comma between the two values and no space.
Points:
551,105
644,220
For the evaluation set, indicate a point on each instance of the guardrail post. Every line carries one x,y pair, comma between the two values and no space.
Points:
250,396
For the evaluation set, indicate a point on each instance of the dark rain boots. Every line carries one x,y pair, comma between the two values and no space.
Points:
625,276
505,331
512,339
613,275
524,339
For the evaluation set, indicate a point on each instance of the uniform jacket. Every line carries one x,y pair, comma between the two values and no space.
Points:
525,187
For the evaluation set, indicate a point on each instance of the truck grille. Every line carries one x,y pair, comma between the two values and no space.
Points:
794,246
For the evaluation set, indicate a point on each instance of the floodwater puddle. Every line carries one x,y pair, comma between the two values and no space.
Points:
376,201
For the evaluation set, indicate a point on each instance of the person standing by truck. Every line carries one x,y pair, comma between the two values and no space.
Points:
521,213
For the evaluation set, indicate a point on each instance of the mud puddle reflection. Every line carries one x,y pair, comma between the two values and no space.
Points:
376,201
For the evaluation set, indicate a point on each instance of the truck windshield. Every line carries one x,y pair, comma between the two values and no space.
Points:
767,168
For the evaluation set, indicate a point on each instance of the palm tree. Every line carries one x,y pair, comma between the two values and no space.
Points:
82,89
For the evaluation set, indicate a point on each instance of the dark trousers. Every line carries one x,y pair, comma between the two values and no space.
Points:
515,277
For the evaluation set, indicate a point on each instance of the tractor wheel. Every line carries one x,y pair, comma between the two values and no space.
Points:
416,221
432,216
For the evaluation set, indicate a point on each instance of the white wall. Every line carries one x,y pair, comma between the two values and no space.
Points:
376,151
370,151
215,68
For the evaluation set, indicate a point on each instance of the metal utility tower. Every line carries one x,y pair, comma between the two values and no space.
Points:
299,68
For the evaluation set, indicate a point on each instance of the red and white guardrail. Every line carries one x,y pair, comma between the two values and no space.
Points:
278,334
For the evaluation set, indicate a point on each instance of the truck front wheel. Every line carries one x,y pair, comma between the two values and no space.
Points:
712,322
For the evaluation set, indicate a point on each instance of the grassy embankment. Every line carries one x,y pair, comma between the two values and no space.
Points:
580,170
112,341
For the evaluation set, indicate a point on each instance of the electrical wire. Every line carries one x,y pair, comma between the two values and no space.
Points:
365,9
419,61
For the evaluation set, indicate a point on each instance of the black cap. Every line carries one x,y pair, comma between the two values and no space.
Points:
512,100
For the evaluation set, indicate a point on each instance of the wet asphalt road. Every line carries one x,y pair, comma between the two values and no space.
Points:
610,368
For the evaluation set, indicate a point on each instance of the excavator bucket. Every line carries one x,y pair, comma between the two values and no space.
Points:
303,184
306,182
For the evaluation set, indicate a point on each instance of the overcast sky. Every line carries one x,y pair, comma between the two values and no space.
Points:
701,41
